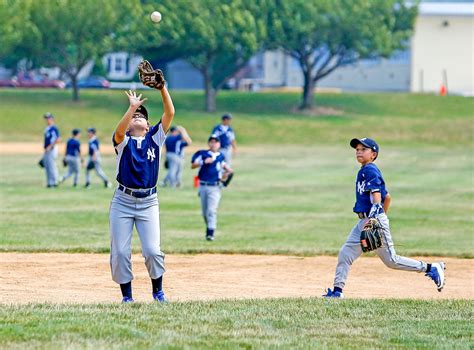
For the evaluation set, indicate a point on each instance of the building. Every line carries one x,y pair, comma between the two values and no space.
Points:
443,48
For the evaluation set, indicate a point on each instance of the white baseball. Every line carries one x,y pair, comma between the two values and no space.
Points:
155,16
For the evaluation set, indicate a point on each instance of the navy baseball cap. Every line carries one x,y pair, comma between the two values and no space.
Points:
76,132
143,111
173,128
227,116
48,115
92,130
214,137
369,143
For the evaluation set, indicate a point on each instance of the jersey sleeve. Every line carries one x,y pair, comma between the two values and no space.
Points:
120,146
158,134
54,134
373,180
197,157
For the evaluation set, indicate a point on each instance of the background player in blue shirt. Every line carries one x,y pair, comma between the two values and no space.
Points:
213,169
73,157
94,161
373,201
135,202
51,139
175,143
226,135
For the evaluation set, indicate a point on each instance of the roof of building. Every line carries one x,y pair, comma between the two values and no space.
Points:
446,8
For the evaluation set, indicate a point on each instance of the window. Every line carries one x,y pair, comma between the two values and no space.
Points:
118,64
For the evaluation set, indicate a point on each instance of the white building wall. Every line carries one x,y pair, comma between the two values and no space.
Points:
443,43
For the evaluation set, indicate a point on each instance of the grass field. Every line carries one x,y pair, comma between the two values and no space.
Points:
249,324
291,199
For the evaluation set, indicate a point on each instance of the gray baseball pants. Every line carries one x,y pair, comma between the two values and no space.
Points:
227,153
73,168
351,250
210,197
126,211
98,170
174,163
50,166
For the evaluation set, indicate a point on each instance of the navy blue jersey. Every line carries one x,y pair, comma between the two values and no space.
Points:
93,146
51,134
369,179
175,144
209,172
73,147
138,158
225,133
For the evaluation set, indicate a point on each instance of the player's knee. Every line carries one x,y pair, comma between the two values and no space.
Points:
152,253
391,261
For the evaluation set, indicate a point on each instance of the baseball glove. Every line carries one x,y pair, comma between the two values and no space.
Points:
90,165
64,162
41,163
371,235
227,181
150,77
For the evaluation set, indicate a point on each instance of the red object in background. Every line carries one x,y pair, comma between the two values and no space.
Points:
443,91
196,181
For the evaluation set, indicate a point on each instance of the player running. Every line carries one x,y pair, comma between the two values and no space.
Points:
135,202
94,161
226,135
73,157
213,169
373,201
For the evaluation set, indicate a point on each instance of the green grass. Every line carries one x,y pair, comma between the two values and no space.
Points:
262,118
283,200
249,324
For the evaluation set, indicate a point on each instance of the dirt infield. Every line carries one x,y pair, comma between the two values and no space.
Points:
85,278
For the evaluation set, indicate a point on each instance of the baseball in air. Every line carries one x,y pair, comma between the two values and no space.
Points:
155,16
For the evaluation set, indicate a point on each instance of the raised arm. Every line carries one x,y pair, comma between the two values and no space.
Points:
135,102
168,109
185,135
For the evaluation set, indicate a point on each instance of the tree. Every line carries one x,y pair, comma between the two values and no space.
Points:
18,36
70,33
323,35
217,37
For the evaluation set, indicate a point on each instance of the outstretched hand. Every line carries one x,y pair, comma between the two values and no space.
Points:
135,101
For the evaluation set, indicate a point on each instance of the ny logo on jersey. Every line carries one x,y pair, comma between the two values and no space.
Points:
361,187
150,154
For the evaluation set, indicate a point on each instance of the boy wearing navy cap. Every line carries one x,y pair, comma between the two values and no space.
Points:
51,140
138,146
373,201
213,169
226,136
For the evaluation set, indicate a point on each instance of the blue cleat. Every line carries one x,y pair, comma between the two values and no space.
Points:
437,274
333,294
160,297
127,300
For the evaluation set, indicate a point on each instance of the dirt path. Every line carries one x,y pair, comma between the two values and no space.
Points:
85,278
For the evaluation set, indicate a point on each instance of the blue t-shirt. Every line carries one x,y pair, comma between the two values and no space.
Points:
369,179
51,134
225,133
175,144
73,147
138,158
209,172
93,146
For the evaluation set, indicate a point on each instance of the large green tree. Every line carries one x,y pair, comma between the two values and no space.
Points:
323,35
217,37
70,33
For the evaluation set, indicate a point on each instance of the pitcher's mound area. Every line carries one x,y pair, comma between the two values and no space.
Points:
85,278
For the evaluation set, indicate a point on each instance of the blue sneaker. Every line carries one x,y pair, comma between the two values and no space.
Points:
160,297
437,274
333,294
126,300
